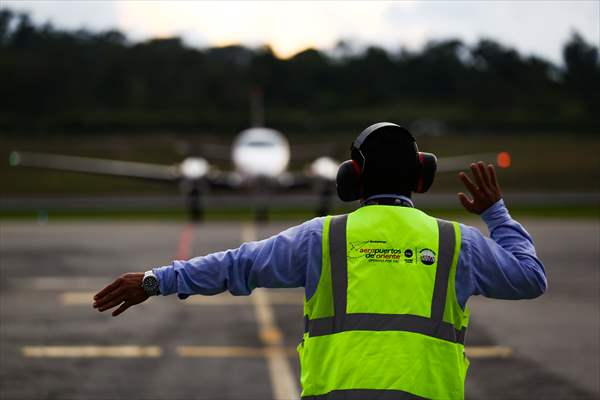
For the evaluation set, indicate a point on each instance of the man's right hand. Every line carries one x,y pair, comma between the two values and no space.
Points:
125,291
485,191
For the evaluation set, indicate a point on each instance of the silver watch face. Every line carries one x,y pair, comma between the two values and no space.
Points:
150,285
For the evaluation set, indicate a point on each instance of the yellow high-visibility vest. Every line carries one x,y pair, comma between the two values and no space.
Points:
384,321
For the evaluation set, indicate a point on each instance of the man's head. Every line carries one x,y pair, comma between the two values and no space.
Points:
385,159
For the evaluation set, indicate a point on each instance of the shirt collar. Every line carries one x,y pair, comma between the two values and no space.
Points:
397,199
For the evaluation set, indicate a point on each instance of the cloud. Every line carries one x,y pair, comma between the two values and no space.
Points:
287,26
539,27
71,14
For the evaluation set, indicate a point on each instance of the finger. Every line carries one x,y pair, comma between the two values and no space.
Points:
465,201
493,177
108,289
112,304
477,175
109,297
121,308
468,183
484,175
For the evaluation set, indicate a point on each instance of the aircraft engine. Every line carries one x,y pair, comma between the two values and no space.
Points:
193,168
324,171
324,168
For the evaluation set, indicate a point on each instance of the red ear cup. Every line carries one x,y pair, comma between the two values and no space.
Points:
348,181
426,174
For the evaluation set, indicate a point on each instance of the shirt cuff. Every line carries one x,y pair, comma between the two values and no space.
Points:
495,215
167,280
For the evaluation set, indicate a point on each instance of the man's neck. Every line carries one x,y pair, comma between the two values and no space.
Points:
388,199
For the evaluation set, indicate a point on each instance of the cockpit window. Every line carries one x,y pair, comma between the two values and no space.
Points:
258,143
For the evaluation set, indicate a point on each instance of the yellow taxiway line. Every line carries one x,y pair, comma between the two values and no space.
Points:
282,378
488,351
228,351
133,351
91,351
85,298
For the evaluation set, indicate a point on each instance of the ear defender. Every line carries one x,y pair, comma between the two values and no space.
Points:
348,181
349,176
427,167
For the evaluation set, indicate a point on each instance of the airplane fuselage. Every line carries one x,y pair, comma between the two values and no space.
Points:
260,153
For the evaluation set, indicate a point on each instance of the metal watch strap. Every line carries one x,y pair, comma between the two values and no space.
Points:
151,291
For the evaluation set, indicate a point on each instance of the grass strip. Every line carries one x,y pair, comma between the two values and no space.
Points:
245,214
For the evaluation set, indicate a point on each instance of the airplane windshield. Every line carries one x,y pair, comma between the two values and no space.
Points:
257,143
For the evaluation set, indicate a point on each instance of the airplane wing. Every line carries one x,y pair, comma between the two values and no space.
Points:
215,151
325,168
459,163
95,165
309,151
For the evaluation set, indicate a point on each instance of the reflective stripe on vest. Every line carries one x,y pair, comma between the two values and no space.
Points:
365,394
342,322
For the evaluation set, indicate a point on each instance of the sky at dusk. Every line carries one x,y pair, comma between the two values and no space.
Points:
533,27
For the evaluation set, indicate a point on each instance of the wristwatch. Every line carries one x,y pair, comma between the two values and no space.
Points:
150,284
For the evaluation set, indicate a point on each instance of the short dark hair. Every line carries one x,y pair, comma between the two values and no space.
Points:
390,164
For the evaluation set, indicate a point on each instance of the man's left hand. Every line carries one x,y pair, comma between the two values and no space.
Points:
126,290
485,190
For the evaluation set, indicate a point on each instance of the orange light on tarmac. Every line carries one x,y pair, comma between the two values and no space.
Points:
503,159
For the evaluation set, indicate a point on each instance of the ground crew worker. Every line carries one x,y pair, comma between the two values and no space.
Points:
386,285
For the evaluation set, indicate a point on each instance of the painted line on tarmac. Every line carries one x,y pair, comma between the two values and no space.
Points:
479,352
91,351
185,242
131,351
76,298
65,283
228,351
488,351
282,379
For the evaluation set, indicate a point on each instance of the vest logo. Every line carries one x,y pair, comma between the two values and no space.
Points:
408,253
427,256
374,251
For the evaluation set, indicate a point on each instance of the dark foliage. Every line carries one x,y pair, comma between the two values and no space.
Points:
79,81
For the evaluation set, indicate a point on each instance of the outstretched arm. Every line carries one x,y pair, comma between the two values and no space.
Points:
276,262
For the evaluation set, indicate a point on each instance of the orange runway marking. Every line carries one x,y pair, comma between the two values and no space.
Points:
185,242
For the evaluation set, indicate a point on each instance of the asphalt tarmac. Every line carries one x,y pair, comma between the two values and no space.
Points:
54,345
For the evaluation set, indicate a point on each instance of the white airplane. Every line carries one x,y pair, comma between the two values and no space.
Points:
260,159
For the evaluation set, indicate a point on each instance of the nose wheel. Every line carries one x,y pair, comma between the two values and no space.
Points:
194,204
325,198
261,200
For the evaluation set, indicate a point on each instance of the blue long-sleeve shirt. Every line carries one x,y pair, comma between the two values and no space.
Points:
503,267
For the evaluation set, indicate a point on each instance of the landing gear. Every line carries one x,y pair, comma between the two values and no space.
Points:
261,201
194,204
193,199
326,190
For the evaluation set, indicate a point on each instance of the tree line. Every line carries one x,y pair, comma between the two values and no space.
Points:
78,81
